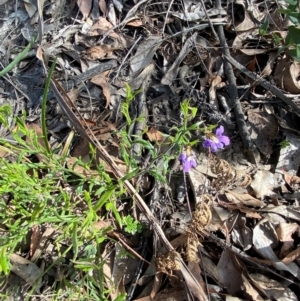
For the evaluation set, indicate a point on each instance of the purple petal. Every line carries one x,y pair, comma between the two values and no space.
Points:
213,147
187,166
182,157
189,163
193,162
220,130
224,139
207,143
219,145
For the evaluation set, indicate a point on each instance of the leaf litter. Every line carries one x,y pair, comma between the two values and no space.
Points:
236,213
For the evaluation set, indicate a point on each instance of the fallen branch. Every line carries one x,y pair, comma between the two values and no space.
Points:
235,102
262,82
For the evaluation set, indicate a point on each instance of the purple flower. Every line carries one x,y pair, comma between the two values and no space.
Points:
187,161
216,141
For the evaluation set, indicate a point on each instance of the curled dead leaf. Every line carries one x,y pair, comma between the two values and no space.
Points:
100,80
263,129
98,52
245,199
85,7
291,256
284,232
287,76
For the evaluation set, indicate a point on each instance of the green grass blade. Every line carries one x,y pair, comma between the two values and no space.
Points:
19,57
45,96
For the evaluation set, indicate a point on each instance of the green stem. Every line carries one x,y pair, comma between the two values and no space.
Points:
19,57
45,96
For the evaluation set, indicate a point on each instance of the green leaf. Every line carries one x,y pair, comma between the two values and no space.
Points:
124,154
263,28
158,176
281,49
111,206
103,199
75,241
293,53
298,51
4,262
292,2
293,36
192,143
147,144
277,38
121,297
131,174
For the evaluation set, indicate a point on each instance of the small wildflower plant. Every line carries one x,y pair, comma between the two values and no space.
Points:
212,141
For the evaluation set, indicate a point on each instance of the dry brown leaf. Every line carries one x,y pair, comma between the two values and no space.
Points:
34,239
245,199
212,91
100,224
41,140
263,183
107,269
248,211
196,271
264,241
72,164
241,234
3,151
43,243
111,14
73,94
176,293
284,232
39,133
263,129
135,23
291,256
251,52
246,25
30,8
81,149
154,135
85,7
172,72
252,65
102,26
144,53
238,42
290,179
287,76
237,282
98,52
102,6
272,288
100,80
158,278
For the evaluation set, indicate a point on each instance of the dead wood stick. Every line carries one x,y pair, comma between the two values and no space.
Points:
262,82
235,103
